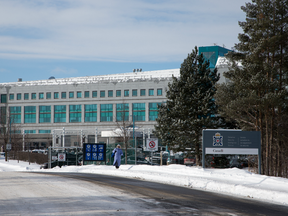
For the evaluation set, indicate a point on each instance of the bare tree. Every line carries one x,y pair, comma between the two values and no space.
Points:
123,126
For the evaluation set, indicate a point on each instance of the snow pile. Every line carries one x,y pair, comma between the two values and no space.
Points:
227,181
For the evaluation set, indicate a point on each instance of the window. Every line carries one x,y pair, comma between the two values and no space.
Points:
122,112
71,94
30,114
90,113
59,113
153,111
151,92
30,131
26,96
74,113
86,94
33,96
134,92
48,95
118,93
11,97
138,110
79,94
15,113
19,96
102,93
159,92
106,112
44,131
41,96
3,113
44,114
3,98
63,95
56,95
94,94
110,93
126,93
142,92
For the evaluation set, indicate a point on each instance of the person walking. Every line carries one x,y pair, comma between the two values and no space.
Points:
117,156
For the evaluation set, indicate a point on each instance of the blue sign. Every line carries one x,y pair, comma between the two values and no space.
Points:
94,148
88,156
100,156
94,156
88,148
100,148
94,152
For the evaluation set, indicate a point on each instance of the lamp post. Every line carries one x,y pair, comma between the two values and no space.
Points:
134,139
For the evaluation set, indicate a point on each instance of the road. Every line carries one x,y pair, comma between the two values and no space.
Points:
92,194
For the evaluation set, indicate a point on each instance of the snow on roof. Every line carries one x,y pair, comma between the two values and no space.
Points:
123,77
223,62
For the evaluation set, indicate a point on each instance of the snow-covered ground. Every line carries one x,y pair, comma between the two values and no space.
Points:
237,182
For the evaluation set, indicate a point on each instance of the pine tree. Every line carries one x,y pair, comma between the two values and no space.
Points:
190,106
256,96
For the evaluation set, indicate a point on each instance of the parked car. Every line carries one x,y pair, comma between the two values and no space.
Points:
239,163
219,162
190,161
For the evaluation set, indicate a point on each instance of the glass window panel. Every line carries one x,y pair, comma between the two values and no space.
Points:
30,114
102,93
118,93
151,92
15,113
134,92
48,95
94,94
63,95
126,93
106,112
79,94
26,96
90,113
142,92
86,94
44,114
11,97
59,113
33,96
159,92
75,113
110,93
71,94
138,110
19,96
41,96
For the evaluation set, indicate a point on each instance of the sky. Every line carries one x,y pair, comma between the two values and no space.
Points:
232,181
72,38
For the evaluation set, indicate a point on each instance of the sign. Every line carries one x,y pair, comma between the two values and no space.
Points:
61,156
152,144
94,152
231,142
8,146
54,158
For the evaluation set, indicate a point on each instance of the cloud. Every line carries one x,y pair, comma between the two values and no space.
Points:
59,71
114,30
2,70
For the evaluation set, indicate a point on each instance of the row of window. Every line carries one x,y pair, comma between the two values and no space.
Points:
90,113
63,95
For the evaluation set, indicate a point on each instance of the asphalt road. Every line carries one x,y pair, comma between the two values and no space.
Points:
173,200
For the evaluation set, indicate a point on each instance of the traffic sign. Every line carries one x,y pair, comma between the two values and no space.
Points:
152,144
8,147
61,156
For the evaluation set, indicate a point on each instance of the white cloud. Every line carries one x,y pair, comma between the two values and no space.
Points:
65,71
114,30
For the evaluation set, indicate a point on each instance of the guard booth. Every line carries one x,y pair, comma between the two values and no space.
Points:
231,142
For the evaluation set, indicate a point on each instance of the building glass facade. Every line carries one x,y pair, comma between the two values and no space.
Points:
138,110
122,112
90,113
15,112
106,112
75,113
30,114
44,114
59,113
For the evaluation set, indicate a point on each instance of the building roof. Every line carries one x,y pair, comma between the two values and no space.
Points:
123,77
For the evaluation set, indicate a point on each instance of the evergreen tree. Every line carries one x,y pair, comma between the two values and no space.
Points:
190,106
256,96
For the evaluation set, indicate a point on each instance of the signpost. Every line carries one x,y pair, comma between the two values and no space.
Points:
152,145
61,156
94,152
235,142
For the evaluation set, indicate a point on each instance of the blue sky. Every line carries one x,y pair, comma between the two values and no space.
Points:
71,38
